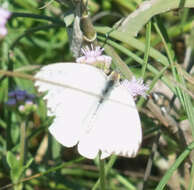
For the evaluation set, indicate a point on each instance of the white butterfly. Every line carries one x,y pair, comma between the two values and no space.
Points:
110,125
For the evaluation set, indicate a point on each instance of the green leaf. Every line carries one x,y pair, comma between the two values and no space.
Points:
135,21
16,170
68,19
15,167
12,160
56,149
28,163
15,130
134,43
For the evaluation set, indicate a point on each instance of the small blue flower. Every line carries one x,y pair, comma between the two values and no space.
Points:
11,102
11,94
20,98
20,92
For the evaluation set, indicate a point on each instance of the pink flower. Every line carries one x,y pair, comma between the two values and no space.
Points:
4,15
136,87
21,108
94,56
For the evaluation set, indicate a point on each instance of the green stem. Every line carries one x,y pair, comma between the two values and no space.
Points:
33,30
22,143
108,168
176,164
102,173
8,130
139,60
191,183
172,32
155,79
34,16
183,97
66,164
147,47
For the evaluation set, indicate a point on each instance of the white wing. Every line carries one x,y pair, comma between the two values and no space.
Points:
70,107
116,129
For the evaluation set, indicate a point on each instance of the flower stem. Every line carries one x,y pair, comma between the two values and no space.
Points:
22,143
102,173
108,167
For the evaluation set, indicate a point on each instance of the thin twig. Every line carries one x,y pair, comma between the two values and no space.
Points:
150,161
43,173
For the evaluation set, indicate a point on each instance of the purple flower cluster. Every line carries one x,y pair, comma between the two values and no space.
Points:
135,87
4,15
21,101
94,55
18,97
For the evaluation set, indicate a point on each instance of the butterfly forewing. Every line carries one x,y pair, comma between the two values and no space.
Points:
70,106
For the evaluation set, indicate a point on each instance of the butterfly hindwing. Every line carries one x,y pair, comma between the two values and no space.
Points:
116,128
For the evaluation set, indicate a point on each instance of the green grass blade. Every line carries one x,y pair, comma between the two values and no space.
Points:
176,164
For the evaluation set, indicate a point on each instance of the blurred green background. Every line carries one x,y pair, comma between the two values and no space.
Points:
161,53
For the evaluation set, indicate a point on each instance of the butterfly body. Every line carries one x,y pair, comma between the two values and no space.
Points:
103,119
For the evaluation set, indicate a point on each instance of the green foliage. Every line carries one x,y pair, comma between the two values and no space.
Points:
16,170
161,52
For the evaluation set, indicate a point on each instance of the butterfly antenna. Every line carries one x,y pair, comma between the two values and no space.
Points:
107,37
115,27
